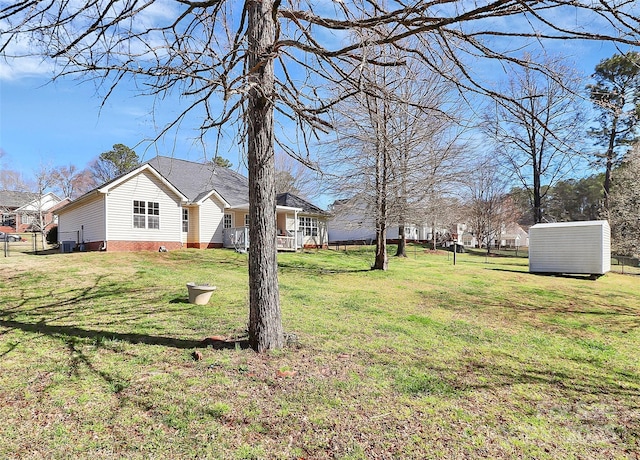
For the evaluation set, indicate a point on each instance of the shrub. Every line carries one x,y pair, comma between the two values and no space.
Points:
52,235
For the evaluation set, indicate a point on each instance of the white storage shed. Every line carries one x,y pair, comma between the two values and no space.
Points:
570,247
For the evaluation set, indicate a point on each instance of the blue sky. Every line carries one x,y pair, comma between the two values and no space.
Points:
60,123
63,122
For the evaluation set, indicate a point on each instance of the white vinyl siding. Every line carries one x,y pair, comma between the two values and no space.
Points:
86,221
570,247
148,188
211,221
291,223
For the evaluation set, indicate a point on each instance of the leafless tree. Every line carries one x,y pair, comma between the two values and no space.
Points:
41,221
539,129
72,182
397,145
362,165
13,180
488,206
295,177
244,60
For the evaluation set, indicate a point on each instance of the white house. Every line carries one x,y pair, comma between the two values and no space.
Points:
172,203
352,221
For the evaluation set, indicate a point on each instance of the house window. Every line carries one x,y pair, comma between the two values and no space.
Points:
308,226
138,214
28,219
228,223
153,211
246,220
146,214
185,220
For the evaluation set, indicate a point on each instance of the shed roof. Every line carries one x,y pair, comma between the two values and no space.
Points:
578,223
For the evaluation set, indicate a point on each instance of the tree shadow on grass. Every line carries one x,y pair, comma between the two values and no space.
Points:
78,332
46,312
319,270
556,275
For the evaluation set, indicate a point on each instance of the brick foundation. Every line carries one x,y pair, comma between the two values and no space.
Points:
132,246
205,245
315,246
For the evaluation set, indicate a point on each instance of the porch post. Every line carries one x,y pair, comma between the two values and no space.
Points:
295,230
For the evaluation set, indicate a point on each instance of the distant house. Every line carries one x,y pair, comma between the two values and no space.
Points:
38,214
312,229
351,221
511,235
172,203
10,201
27,211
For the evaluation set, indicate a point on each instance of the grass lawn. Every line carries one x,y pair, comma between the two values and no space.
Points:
427,360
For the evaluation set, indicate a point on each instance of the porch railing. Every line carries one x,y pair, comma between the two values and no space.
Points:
238,238
286,243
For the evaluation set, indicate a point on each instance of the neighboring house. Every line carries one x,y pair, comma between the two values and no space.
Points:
351,222
311,221
10,201
38,214
511,236
171,203
514,236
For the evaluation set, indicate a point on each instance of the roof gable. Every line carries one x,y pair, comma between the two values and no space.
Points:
40,203
293,201
193,182
144,167
197,181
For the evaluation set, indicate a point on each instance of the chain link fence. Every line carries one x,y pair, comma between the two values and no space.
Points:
17,244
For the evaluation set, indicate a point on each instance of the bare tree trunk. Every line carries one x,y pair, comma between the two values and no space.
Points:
403,202
402,242
537,199
433,236
381,261
609,165
265,322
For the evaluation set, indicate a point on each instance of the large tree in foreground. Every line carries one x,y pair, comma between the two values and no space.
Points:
241,61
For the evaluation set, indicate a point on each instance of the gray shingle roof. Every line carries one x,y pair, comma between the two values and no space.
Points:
291,200
196,180
12,199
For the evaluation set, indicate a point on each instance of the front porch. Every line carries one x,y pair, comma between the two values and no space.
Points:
238,238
